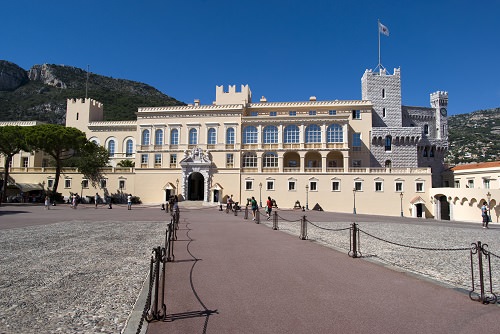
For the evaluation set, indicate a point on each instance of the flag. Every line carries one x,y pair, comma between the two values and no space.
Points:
383,29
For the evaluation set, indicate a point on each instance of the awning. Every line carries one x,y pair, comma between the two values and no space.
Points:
27,187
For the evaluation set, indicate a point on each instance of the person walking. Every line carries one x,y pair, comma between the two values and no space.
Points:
129,202
47,203
484,214
269,207
96,199
253,203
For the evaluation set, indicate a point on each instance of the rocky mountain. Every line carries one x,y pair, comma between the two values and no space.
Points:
474,137
41,93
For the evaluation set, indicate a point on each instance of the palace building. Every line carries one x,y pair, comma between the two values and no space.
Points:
371,156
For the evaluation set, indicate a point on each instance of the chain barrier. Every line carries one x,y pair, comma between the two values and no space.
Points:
483,297
329,229
288,220
415,247
494,255
152,275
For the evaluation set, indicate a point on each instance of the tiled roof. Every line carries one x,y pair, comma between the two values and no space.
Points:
478,165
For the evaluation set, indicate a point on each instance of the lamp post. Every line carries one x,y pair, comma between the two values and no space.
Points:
488,196
401,197
354,198
260,194
307,197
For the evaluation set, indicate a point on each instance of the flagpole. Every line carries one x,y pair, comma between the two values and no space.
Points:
378,29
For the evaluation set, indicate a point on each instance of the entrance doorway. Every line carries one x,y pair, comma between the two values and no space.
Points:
196,187
445,208
420,210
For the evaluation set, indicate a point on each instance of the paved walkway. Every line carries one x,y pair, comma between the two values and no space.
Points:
231,275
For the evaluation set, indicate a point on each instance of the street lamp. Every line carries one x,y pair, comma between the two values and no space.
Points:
260,194
307,197
488,196
354,197
401,196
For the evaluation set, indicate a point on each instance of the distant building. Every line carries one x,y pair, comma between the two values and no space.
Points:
372,156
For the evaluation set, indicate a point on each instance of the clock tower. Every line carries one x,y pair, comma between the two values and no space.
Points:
439,101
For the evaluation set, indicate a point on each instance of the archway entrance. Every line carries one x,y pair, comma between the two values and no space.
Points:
444,208
196,184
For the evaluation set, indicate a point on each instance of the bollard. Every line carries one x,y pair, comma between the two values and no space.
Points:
257,217
220,207
275,220
246,212
480,250
354,241
235,211
303,228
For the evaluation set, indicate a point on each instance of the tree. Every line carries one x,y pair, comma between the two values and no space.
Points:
65,143
89,160
12,141
126,163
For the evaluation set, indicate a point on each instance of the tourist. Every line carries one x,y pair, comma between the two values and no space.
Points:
47,203
96,199
269,207
253,202
484,214
129,202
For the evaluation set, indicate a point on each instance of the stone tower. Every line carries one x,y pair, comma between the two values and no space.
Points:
384,90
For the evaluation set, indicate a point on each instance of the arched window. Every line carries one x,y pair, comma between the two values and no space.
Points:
250,135
270,134
291,134
270,159
230,136
193,137
250,159
424,152
388,143
212,137
174,137
388,164
431,152
111,148
129,148
145,137
313,134
383,93
334,134
159,137
426,129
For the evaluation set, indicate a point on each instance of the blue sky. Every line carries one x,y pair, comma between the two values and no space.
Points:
285,50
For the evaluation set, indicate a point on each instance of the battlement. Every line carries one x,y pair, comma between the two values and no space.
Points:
244,96
439,99
383,72
89,101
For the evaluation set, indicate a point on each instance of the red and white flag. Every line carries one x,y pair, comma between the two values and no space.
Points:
383,29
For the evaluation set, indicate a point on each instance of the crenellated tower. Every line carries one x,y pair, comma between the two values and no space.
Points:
439,101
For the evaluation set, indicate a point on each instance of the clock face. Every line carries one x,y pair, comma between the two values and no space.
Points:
443,111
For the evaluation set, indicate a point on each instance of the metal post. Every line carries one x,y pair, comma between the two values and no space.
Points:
246,212
307,197
275,220
354,197
401,196
303,228
260,194
353,252
257,217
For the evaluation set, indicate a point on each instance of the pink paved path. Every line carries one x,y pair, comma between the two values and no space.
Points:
251,279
